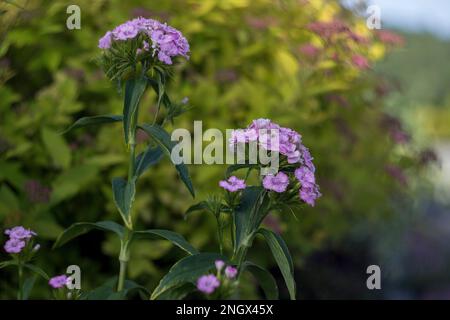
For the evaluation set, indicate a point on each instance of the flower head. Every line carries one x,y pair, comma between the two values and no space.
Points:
233,184
58,281
208,283
164,41
230,272
20,233
14,245
277,183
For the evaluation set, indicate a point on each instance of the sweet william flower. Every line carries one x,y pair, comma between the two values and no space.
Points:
277,183
14,245
105,41
164,41
309,192
20,233
230,272
208,283
58,281
233,184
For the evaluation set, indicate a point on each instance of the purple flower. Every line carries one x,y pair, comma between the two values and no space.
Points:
20,233
233,184
166,42
208,283
58,281
105,41
230,272
14,245
277,183
219,264
305,175
125,31
309,192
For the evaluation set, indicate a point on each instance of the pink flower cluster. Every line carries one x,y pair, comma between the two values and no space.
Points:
288,143
209,283
166,41
18,238
271,137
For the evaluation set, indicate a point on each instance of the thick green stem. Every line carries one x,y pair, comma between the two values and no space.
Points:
20,273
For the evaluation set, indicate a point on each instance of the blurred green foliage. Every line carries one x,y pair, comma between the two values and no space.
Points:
246,63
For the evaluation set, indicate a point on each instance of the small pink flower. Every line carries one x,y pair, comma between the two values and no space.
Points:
58,281
360,62
277,183
208,283
230,272
233,184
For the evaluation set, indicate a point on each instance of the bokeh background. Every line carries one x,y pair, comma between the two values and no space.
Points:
372,105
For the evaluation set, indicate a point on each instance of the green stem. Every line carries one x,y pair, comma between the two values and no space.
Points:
220,234
124,257
20,291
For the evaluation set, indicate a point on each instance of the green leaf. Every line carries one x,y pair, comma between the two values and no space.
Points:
8,263
37,270
186,270
146,159
234,167
57,147
283,258
161,85
203,205
173,237
177,293
162,138
28,286
134,89
89,121
247,215
80,228
265,279
107,291
123,195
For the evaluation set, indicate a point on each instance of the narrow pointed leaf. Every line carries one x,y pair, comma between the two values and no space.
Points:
265,279
283,258
8,263
37,270
80,228
186,270
90,121
123,195
146,159
28,286
246,214
134,89
162,138
173,237
203,205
